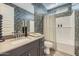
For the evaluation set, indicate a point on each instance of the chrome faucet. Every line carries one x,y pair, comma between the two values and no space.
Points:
17,35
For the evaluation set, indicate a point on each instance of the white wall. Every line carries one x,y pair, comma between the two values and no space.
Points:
8,19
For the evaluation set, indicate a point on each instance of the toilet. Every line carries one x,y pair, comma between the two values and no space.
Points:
47,45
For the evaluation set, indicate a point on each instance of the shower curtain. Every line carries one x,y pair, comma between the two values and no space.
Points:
50,29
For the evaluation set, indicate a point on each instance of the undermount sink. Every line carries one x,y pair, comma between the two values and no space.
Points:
21,40
18,41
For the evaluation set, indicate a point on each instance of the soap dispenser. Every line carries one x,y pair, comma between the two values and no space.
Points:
24,29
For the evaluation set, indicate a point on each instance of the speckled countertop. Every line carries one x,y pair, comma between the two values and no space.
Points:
15,43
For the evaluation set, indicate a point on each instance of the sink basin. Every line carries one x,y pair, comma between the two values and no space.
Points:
18,41
21,40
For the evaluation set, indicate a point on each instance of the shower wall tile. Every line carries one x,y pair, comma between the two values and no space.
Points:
77,33
39,12
38,21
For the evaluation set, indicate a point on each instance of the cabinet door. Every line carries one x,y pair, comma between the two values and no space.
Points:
41,47
65,41
64,21
58,34
42,51
58,22
33,52
25,53
68,36
65,35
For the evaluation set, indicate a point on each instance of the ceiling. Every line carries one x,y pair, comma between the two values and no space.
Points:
49,5
52,5
26,6
29,7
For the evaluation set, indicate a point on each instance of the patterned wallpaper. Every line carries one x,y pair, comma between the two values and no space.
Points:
38,21
39,13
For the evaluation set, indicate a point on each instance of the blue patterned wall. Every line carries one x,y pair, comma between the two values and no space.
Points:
19,16
39,12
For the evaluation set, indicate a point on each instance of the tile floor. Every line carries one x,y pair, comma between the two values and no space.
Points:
58,53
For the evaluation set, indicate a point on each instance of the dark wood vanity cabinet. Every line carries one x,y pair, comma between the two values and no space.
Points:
31,52
35,48
41,48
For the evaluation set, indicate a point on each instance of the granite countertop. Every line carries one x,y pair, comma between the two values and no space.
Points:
15,43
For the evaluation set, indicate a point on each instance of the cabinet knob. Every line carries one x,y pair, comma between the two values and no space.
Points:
61,25
58,25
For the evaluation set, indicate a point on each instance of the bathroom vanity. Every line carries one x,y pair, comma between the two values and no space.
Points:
29,46
20,46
